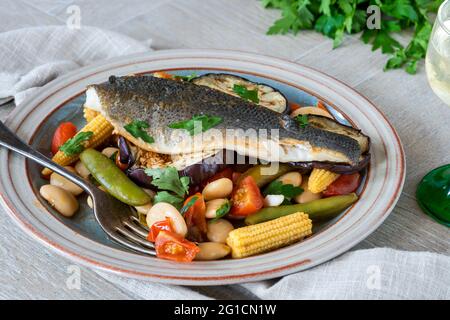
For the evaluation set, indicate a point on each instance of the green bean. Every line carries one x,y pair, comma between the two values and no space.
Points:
113,179
318,210
261,179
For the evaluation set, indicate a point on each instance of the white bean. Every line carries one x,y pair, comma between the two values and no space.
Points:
81,169
161,211
144,209
63,201
220,188
294,178
109,151
212,206
218,230
307,195
212,251
273,200
59,181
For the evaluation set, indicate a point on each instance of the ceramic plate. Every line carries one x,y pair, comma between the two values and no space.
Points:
82,240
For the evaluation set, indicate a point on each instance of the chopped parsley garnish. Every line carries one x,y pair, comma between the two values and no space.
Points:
223,210
75,145
188,205
188,78
244,93
380,22
168,179
287,190
164,196
198,123
136,129
302,120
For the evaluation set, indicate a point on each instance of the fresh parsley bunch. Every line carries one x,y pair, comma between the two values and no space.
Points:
334,18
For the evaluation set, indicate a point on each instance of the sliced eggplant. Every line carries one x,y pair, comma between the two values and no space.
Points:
331,166
138,176
268,97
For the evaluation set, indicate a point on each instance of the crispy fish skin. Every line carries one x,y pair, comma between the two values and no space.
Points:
161,102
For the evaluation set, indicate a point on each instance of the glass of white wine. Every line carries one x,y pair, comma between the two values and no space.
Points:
433,192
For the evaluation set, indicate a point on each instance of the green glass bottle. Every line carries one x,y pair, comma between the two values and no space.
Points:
433,194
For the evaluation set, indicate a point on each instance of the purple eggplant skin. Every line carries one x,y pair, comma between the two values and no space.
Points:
334,167
201,171
125,154
138,176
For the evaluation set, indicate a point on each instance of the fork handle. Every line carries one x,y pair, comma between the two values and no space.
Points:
11,141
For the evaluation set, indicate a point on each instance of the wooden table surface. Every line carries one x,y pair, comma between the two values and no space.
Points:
28,270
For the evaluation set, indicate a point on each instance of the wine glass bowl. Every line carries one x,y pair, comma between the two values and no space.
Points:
433,192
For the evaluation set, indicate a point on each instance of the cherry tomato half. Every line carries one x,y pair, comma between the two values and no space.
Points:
195,214
64,132
246,198
345,184
172,246
157,227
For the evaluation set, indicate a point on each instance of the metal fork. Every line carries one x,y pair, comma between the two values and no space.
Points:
116,218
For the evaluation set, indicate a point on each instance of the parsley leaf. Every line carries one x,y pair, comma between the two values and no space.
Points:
75,145
244,93
168,179
188,205
302,120
187,78
223,210
197,124
296,15
287,190
136,129
164,196
114,156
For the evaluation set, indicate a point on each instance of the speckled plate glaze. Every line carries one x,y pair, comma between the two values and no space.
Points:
81,240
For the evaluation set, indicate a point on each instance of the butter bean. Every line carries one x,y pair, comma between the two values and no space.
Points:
82,170
60,181
63,201
212,251
307,195
212,206
220,188
218,230
109,151
294,178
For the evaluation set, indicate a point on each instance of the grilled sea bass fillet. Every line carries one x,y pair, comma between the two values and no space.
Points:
162,102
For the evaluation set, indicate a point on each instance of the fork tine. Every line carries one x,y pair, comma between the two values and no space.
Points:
136,219
130,235
137,229
127,243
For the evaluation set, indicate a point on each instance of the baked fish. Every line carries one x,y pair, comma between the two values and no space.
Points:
244,127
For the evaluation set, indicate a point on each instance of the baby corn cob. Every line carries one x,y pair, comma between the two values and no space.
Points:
89,114
270,235
320,179
102,130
